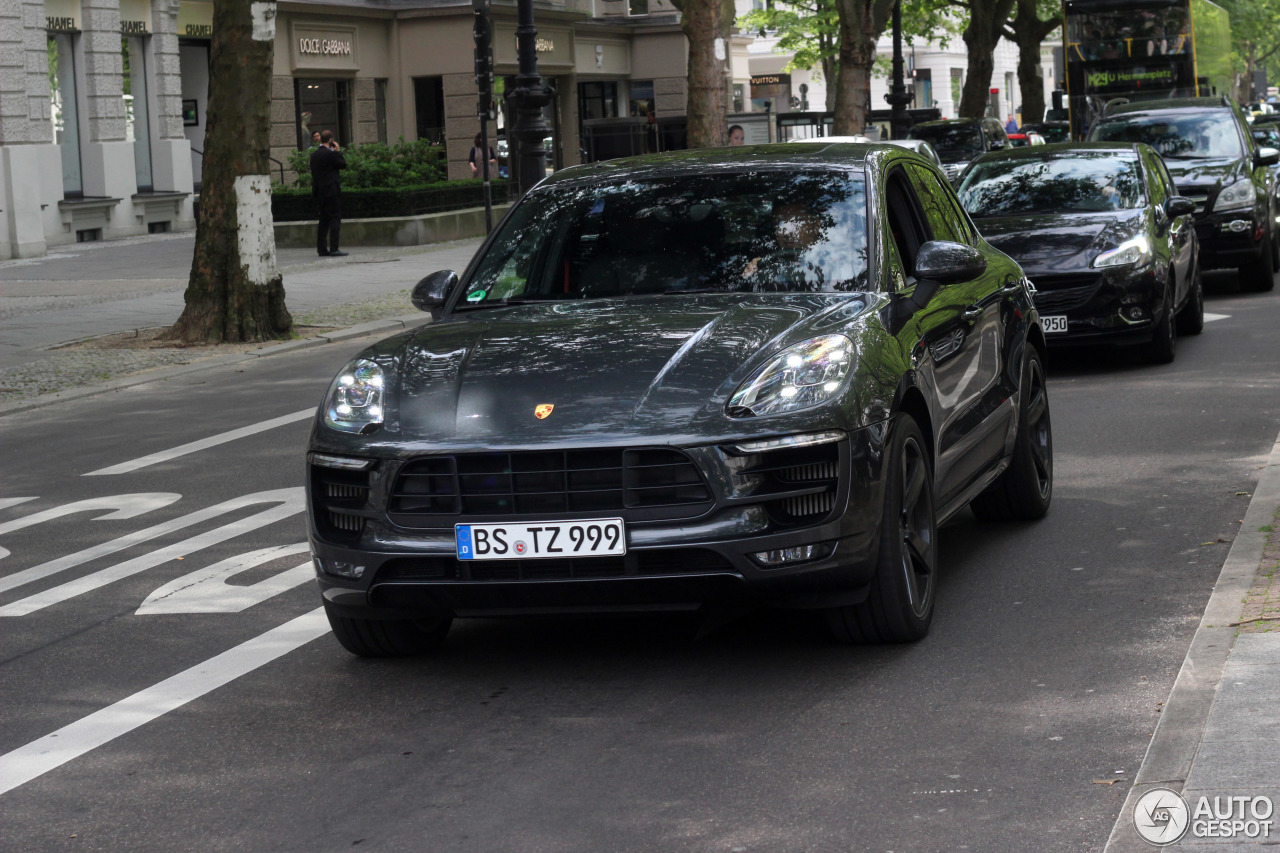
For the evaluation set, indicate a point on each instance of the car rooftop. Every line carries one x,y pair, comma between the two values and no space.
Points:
1168,104
1064,149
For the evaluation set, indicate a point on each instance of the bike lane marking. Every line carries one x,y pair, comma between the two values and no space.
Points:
75,739
194,446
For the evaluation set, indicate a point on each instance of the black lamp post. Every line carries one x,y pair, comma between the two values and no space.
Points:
528,97
898,96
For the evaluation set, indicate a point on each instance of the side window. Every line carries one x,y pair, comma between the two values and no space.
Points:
1156,179
1165,178
907,225
946,219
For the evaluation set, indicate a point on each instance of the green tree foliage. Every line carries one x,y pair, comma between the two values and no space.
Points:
1255,38
810,29
378,166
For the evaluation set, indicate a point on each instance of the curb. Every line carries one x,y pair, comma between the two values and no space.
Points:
1178,734
373,327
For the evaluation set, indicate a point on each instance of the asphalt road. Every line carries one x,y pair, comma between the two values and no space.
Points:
183,729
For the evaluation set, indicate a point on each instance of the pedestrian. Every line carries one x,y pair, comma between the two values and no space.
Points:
1011,126
737,136
315,139
476,161
651,134
326,188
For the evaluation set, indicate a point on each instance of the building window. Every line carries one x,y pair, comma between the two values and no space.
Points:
1008,88
64,111
957,88
641,100
924,88
323,105
597,100
637,7
428,102
380,108
739,96
136,109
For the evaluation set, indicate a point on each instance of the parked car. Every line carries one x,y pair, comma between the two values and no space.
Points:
1101,232
1052,131
762,373
1268,136
959,140
1214,161
1023,140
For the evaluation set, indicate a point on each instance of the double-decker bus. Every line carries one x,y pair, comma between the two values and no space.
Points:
1142,49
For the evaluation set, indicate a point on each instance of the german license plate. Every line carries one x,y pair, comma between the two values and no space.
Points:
597,537
1054,325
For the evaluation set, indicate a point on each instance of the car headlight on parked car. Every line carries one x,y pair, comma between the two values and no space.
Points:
1128,253
1240,194
355,399
807,374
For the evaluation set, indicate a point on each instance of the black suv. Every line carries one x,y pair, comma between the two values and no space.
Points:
959,140
1215,162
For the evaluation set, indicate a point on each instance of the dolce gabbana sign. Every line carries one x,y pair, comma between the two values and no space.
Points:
324,48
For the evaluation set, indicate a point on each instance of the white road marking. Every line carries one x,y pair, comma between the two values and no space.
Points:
125,506
211,441
1209,318
291,501
74,740
207,591
5,503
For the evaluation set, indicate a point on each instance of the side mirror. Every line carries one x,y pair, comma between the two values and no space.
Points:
433,292
1176,205
947,263
1267,156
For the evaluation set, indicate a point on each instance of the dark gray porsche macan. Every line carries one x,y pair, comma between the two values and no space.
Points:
742,374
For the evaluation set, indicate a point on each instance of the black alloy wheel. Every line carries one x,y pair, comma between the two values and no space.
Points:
1191,317
1025,490
1164,336
899,605
388,638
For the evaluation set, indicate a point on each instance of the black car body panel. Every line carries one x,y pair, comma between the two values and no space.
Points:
643,381
1057,249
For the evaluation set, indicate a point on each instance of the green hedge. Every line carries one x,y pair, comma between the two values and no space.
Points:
293,205
378,166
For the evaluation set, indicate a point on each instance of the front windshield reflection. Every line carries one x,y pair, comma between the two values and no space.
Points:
961,141
758,232
1197,137
1081,182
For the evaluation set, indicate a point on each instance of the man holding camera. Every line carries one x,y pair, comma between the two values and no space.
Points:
326,187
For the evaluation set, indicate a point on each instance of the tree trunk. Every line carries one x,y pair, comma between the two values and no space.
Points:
861,23
235,292
703,22
986,23
1028,32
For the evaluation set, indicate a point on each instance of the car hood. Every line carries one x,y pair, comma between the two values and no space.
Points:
655,365
1200,173
1059,241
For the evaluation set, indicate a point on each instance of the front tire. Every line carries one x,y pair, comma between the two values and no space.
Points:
899,604
388,638
1259,275
1023,492
1191,317
1164,337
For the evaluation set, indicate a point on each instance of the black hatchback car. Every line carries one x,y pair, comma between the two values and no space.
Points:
1215,162
759,373
960,140
1099,229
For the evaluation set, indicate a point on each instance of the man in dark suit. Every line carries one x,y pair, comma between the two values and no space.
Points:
326,187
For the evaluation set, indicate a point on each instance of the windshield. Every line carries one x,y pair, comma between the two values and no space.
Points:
744,232
952,142
1196,137
1078,183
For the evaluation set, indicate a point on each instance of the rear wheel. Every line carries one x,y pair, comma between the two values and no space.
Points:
899,605
1259,275
1191,317
386,638
1024,490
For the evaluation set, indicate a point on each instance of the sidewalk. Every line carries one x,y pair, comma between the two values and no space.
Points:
1219,734
95,289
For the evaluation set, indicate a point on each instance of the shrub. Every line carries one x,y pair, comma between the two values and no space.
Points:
378,166
295,204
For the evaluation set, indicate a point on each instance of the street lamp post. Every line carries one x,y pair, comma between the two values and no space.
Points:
528,97
898,97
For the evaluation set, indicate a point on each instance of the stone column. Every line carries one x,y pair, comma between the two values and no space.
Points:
106,158
170,150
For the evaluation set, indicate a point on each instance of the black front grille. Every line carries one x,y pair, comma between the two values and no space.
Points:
1064,292
340,501
676,561
638,483
805,481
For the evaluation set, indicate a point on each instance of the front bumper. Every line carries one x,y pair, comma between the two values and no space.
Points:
670,563
1230,240
1101,307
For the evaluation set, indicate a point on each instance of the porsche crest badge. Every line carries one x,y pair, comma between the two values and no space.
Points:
542,410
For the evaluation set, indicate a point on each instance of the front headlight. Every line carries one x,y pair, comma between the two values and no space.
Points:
1128,253
807,374
1240,194
354,402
